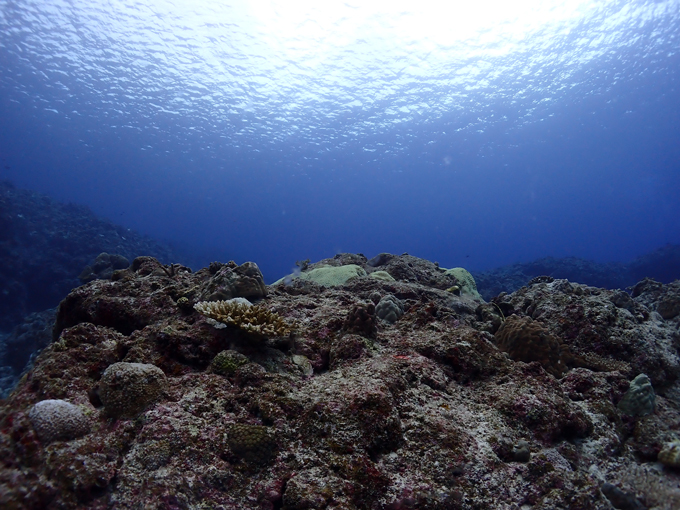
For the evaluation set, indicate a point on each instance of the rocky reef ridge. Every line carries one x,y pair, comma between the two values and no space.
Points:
446,402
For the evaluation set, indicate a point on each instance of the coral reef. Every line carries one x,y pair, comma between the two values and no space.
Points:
458,404
662,264
20,346
44,246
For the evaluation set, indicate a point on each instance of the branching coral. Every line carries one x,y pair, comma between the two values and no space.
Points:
251,319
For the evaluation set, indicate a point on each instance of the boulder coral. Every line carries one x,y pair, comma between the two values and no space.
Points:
389,308
126,389
253,443
526,340
58,420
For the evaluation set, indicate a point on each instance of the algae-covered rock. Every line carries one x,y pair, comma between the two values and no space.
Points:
231,281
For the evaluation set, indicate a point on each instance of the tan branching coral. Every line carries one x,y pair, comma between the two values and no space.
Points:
250,318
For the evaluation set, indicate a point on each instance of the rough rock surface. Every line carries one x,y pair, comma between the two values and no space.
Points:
349,412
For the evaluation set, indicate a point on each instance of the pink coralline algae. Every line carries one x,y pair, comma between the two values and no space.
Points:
454,404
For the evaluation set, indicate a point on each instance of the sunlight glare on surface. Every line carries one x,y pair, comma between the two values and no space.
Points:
272,71
494,27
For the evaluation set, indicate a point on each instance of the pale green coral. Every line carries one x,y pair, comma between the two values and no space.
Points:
382,275
465,281
328,276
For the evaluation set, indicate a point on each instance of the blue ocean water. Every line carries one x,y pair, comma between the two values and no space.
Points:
277,131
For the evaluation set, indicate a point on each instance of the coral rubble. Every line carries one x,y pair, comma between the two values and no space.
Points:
380,393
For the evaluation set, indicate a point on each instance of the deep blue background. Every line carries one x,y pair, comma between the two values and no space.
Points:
596,176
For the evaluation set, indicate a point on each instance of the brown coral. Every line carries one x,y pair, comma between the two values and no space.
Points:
126,389
526,340
252,319
361,320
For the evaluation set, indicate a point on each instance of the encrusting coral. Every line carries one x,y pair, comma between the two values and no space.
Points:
252,319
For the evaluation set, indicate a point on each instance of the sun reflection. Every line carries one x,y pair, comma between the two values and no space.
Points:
298,28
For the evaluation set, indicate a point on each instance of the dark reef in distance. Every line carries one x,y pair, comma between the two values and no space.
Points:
384,385
45,245
662,265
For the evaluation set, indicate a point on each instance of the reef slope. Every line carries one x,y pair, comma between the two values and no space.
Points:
447,403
